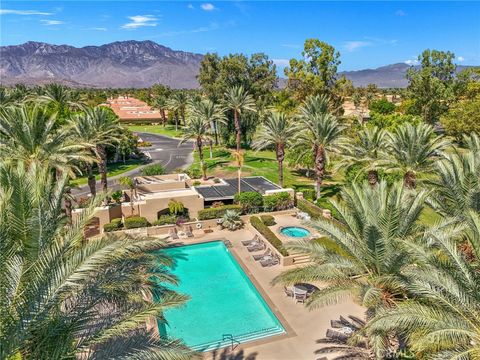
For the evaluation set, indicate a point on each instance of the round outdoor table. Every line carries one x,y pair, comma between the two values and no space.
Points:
300,290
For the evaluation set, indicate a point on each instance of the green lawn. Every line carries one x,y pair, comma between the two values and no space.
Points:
113,170
168,130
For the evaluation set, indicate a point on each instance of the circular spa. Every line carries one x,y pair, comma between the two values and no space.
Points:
295,231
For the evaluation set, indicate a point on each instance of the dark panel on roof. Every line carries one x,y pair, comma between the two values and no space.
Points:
208,192
255,183
260,184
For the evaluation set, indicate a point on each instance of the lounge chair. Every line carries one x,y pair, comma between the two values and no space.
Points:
174,235
336,324
270,261
249,242
189,232
288,292
261,256
335,335
256,247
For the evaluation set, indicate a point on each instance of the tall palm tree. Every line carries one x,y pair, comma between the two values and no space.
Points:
98,128
198,128
442,320
130,183
64,298
414,148
361,254
31,135
317,131
161,103
367,149
177,104
277,132
59,98
239,100
239,159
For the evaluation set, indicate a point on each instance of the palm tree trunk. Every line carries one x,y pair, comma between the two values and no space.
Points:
280,157
239,174
319,167
211,148
92,183
237,129
164,118
131,201
200,155
410,179
67,199
215,131
102,167
176,121
372,177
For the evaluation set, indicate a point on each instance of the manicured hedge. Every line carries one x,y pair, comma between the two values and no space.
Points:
165,219
250,201
278,201
115,224
135,222
309,194
268,220
217,212
306,206
268,234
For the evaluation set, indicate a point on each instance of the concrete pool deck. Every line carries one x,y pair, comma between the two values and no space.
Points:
304,327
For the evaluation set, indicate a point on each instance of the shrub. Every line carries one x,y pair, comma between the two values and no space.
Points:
196,183
216,212
165,220
134,222
268,220
152,170
115,224
250,201
144,144
217,204
176,207
268,234
217,181
117,196
278,201
326,204
306,206
309,194
382,106
231,220
195,172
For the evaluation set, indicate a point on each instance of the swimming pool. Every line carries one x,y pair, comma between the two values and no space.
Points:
223,300
295,231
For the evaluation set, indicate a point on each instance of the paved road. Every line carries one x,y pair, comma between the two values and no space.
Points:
164,150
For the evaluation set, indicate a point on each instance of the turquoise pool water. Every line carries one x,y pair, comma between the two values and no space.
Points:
223,300
295,231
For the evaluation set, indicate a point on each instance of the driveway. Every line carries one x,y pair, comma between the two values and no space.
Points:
164,150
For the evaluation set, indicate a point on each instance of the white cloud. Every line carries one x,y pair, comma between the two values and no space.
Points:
190,6
22,12
139,21
411,62
52,22
354,45
207,6
97,28
460,59
281,62
291,46
400,13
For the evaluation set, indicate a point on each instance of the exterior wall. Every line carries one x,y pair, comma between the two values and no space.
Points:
287,190
150,207
168,185
102,215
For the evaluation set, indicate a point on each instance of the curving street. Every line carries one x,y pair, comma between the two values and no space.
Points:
164,150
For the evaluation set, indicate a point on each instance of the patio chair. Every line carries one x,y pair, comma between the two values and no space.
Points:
249,242
257,247
274,260
335,335
300,298
174,235
261,256
336,324
288,292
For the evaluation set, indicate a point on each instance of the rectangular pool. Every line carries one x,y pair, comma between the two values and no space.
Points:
223,301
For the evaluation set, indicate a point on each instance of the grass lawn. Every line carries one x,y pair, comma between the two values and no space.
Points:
113,170
168,130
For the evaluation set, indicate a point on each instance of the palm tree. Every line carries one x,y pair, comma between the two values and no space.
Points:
239,159
414,148
361,255
238,100
64,298
277,132
96,127
442,321
317,131
367,149
161,103
177,104
128,182
59,98
29,134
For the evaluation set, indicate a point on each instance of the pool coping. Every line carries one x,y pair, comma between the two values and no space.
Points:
279,231
289,332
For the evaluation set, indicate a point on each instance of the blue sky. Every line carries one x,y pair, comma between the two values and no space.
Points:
367,34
